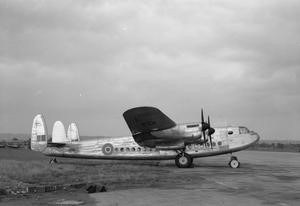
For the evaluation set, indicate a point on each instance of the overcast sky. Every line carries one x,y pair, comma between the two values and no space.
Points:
89,61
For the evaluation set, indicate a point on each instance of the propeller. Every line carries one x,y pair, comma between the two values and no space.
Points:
210,132
206,126
203,125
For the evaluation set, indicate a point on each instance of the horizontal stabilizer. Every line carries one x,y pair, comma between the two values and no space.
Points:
147,119
54,144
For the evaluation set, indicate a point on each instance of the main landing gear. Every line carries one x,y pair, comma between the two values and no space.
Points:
183,160
234,163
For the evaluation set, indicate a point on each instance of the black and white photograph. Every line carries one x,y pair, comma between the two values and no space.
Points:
150,102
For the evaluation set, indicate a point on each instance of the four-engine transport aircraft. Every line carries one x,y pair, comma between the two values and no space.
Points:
154,137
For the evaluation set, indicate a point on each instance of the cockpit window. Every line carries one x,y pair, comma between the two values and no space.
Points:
243,130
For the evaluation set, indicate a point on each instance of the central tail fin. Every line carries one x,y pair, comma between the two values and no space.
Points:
39,136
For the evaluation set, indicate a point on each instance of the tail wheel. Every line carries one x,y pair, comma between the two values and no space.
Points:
183,160
233,158
234,163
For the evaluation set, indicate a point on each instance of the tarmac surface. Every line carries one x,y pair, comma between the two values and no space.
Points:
264,178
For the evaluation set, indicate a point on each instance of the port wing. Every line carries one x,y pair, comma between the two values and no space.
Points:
147,119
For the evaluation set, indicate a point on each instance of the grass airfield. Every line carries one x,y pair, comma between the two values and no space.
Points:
265,178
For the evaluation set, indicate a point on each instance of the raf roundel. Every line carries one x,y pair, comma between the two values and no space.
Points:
107,149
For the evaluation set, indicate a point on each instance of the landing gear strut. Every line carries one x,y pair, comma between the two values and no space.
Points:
53,161
183,160
234,163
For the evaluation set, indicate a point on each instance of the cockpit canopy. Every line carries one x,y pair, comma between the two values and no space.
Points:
244,130
237,130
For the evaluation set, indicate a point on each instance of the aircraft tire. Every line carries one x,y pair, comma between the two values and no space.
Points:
183,160
234,163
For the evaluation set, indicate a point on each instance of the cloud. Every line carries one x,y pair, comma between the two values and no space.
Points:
91,60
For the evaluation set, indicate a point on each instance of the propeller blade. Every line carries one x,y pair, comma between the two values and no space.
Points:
210,132
204,136
202,116
203,126
210,141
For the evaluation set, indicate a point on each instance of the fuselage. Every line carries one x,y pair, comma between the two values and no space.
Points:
224,140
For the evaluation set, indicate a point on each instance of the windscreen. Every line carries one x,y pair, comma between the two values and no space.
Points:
244,130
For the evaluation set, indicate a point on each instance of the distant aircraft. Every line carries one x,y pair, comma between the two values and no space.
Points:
154,137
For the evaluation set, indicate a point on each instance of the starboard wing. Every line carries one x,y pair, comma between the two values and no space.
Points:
143,120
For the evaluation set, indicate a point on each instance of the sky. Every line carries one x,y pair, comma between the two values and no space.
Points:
89,61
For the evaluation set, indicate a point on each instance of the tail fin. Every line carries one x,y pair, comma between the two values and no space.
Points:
73,134
59,133
39,136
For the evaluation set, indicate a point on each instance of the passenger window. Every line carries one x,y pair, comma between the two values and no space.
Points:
230,132
127,149
122,149
219,143
207,144
133,149
116,149
213,144
138,149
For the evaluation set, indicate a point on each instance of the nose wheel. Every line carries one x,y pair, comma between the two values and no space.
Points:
234,163
183,160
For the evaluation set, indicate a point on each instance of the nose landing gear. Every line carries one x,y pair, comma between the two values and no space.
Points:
234,163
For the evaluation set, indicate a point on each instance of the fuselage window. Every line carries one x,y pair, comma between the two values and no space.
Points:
213,144
219,143
127,149
138,149
133,149
230,132
116,149
207,144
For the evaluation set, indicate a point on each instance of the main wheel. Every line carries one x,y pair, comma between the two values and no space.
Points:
183,160
234,163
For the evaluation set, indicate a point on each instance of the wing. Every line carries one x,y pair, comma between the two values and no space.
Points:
143,120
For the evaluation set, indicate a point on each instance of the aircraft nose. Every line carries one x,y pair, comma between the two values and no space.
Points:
255,136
